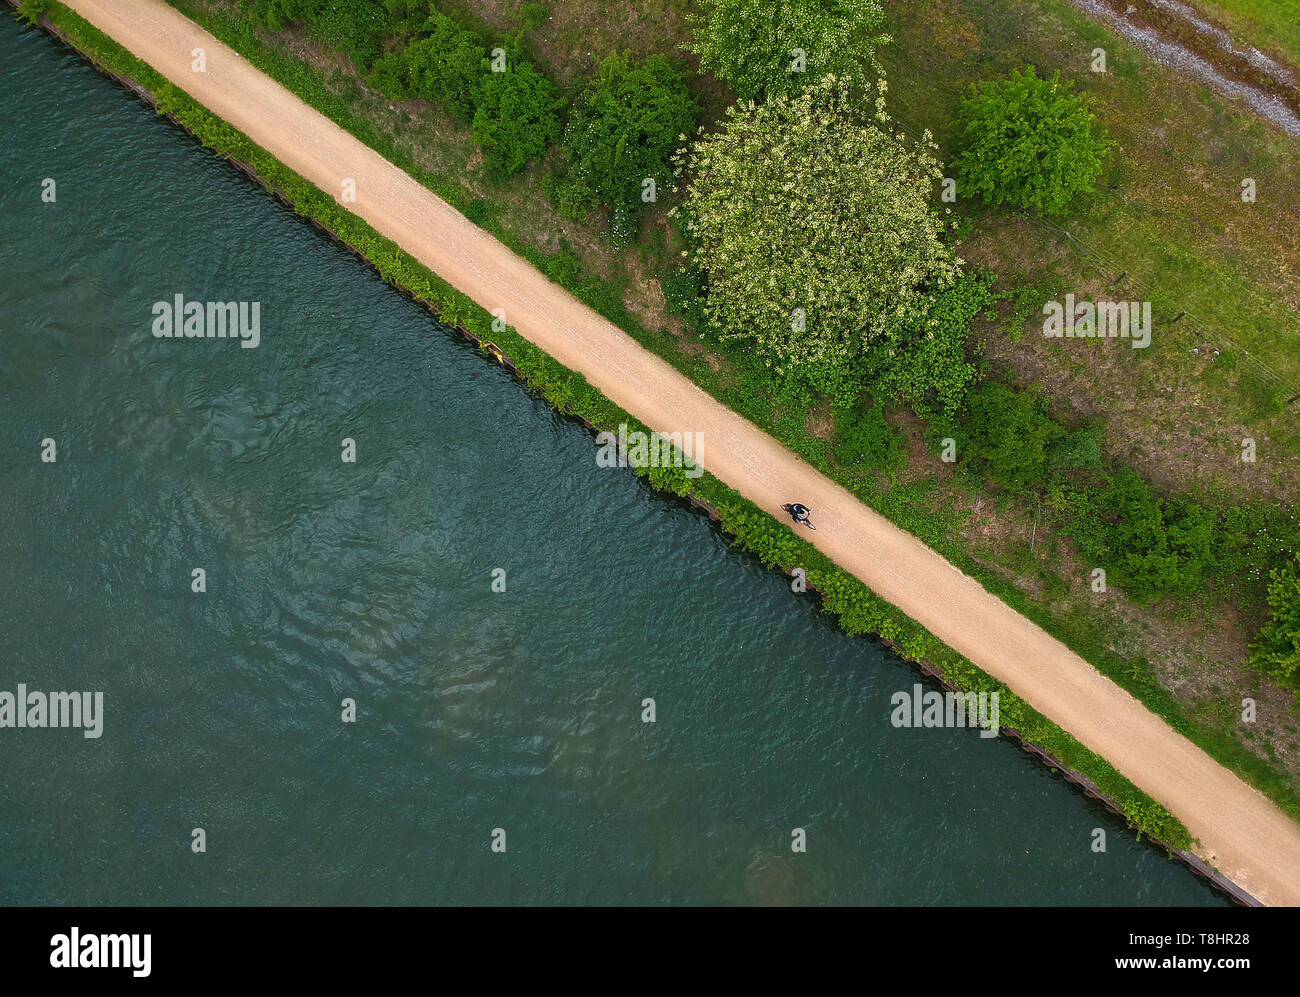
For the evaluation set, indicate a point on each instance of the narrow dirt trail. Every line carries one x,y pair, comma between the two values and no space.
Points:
1242,833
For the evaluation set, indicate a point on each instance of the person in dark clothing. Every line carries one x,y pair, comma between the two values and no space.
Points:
799,513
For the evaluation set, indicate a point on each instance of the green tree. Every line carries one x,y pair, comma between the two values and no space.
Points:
1276,652
444,66
1028,142
766,48
353,26
924,362
1009,433
815,230
516,117
624,127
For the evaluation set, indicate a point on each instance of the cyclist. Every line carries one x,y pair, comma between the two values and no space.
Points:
799,513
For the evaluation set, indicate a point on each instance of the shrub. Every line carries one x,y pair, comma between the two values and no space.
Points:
625,125
924,361
1028,142
1008,434
33,10
569,196
353,26
1276,651
1163,546
864,437
517,117
684,290
445,67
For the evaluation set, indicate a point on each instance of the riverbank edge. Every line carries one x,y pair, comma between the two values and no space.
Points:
858,611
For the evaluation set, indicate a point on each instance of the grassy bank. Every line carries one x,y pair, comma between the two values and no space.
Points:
858,611
1169,218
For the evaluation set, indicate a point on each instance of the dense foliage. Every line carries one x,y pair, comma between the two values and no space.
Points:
1028,142
354,26
924,361
444,66
864,438
768,48
815,230
516,117
624,128
513,109
1148,544
1009,434
1276,652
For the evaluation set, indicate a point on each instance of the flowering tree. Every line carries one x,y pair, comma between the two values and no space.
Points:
815,228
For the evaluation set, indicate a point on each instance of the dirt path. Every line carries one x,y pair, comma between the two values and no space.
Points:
1242,833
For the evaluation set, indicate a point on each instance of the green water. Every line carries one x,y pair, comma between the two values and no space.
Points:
476,709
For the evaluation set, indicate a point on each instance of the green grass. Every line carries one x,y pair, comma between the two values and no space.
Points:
1174,221
1263,23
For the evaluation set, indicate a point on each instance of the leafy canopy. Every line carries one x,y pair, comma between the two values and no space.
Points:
1277,650
624,127
815,229
354,26
767,48
516,117
1028,142
444,66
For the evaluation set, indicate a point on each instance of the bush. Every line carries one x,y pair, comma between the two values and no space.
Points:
445,67
1276,652
516,119
32,11
923,362
568,195
865,438
1163,546
1008,434
625,125
355,27
684,290
1028,142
